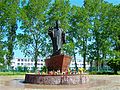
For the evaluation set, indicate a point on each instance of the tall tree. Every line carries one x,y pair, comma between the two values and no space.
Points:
72,32
9,14
84,27
79,30
100,42
114,23
114,27
32,40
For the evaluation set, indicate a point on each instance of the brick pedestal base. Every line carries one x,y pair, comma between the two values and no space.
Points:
58,62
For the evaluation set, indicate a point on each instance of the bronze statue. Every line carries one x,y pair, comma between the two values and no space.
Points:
58,38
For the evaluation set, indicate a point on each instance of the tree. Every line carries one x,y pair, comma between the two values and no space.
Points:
99,46
79,30
84,27
114,21
32,40
114,34
9,14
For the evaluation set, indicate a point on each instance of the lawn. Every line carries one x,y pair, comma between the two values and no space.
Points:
12,73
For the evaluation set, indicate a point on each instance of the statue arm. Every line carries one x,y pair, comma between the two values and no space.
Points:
50,33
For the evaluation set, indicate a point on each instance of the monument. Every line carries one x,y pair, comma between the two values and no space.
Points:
58,38
57,61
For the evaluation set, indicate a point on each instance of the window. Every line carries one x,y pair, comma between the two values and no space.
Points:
21,59
18,64
25,60
18,59
21,63
38,64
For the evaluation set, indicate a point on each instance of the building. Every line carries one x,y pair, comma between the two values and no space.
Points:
23,62
29,63
79,65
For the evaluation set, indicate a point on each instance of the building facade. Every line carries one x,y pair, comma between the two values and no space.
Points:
79,65
29,63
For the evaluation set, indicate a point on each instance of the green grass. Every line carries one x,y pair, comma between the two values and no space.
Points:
23,73
103,73
12,73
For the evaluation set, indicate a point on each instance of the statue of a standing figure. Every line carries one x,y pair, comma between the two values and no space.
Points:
58,38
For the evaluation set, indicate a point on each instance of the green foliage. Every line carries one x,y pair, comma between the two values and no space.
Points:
59,10
2,53
25,69
102,39
44,69
22,69
114,64
8,25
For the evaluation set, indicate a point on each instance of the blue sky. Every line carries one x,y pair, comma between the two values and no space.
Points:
80,2
19,54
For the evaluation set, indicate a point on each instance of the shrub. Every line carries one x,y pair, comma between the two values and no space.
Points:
114,64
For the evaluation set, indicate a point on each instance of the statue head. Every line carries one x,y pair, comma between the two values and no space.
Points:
57,24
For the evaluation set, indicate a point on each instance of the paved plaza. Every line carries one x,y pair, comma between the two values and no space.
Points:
97,82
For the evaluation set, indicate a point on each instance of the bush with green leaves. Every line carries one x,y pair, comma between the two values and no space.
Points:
44,69
114,64
22,69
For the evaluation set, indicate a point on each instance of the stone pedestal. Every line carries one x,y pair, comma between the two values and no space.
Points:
58,62
56,79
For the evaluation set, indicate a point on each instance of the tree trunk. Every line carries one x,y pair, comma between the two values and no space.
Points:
84,54
76,68
98,56
91,65
35,63
36,56
10,45
115,71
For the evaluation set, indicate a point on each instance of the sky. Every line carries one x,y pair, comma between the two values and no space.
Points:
80,2
19,54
